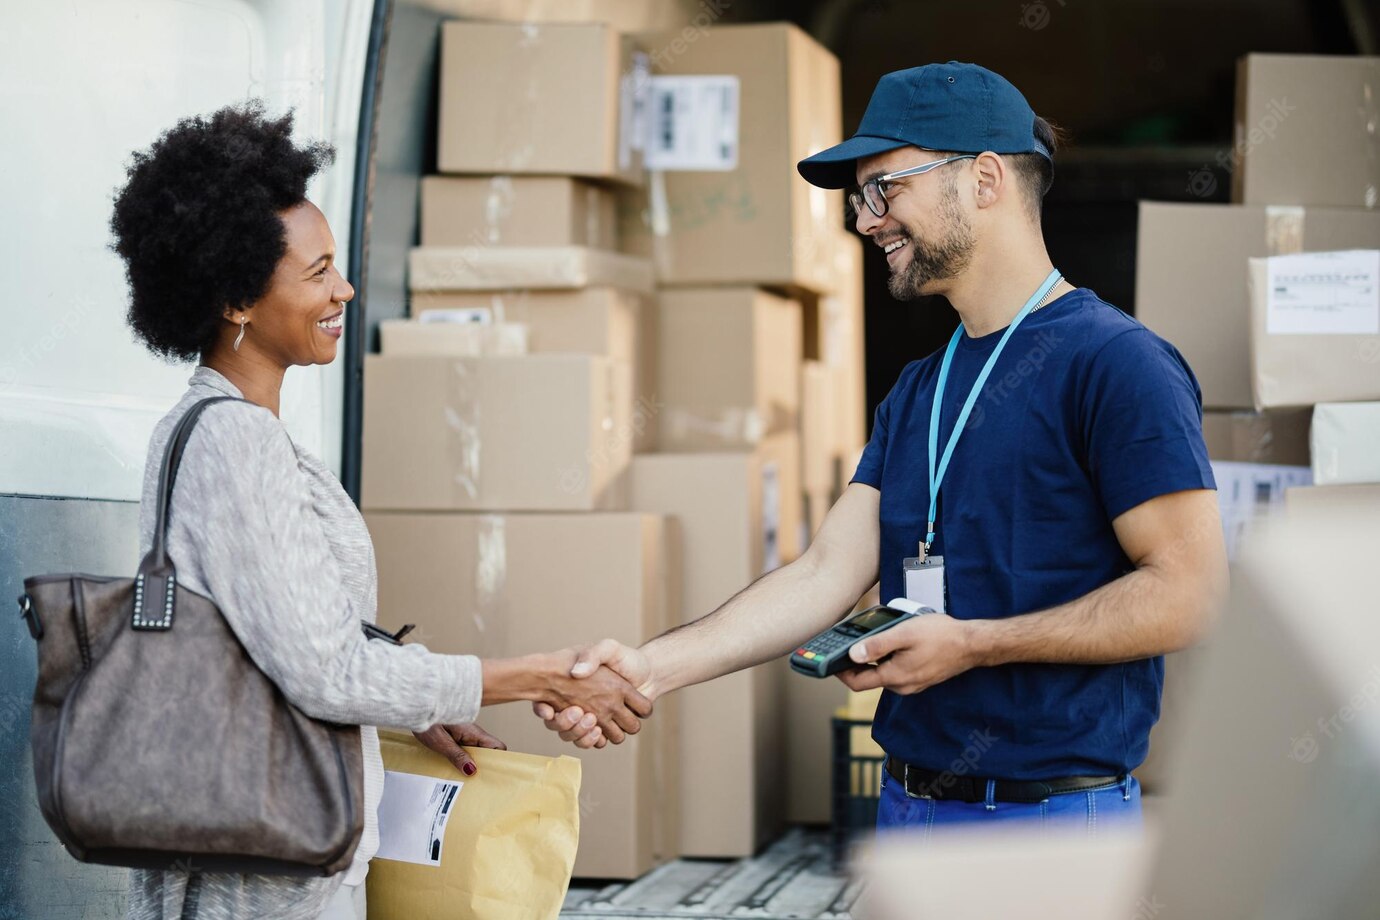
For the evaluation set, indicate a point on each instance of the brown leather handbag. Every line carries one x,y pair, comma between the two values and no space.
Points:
158,743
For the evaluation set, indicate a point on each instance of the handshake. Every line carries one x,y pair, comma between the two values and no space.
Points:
598,693
590,695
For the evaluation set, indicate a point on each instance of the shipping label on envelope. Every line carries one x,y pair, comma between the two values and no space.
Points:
1324,293
413,815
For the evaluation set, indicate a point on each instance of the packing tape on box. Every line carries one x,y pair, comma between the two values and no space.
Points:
462,428
729,426
453,333
490,612
658,217
503,268
500,200
1283,229
498,207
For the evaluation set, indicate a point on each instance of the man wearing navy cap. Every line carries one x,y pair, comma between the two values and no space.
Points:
1042,482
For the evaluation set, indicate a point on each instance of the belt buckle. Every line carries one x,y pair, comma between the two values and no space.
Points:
905,784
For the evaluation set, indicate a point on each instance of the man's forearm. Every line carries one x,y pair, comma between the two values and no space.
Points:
1140,615
765,620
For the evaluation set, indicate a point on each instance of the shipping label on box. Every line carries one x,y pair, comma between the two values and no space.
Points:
693,123
1324,293
744,103
1330,306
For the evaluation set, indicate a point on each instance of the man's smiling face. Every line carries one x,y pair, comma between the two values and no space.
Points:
925,232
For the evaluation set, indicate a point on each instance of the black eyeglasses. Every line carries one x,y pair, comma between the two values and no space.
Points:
873,191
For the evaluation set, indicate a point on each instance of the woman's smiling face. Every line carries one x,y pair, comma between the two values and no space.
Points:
300,319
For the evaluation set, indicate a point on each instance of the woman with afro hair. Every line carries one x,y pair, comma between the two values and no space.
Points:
229,265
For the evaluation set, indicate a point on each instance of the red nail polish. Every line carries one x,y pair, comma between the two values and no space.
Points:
469,769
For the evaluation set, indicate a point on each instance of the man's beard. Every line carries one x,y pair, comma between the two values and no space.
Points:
945,258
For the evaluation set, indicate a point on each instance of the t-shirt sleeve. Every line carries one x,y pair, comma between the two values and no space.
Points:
1142,421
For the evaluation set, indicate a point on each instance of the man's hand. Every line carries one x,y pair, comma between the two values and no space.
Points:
913,656
446,740
573,723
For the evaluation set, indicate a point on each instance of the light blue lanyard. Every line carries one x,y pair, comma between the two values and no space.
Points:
936,477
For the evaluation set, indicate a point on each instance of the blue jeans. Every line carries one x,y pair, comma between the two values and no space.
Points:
1114,805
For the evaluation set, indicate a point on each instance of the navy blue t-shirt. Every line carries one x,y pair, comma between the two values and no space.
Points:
1086,415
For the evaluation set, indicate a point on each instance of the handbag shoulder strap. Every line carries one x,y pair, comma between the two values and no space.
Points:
153,589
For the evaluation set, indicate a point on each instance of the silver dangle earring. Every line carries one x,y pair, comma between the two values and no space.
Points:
240,338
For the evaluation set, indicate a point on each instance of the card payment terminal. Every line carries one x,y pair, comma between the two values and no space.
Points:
827,653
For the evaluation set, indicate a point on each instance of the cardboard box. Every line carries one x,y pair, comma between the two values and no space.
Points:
1346,443
517,211
729,367
556,98
1297,109
751,220
1191,278
501,268
506,585
834,335
454,339
817,443
1257,437
1287,708
1304,365
1014,872
810,707
817,505
724,506
863,704
604,321
532,433
1330,500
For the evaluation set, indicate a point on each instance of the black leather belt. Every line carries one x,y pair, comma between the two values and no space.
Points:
933,784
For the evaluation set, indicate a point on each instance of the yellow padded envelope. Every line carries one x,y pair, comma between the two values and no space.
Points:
509,843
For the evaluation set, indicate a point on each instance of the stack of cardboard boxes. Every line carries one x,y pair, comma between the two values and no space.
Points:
616,388
1273,299
759,386
501,419
1270,326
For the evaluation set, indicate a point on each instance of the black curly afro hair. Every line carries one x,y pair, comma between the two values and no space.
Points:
197,223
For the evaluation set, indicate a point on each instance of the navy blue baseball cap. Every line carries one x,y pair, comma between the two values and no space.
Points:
962,108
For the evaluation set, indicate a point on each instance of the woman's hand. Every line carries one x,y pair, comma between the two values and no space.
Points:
446,740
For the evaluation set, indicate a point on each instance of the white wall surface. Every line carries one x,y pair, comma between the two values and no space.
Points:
83,83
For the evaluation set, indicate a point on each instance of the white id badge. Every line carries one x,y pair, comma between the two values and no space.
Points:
925,581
